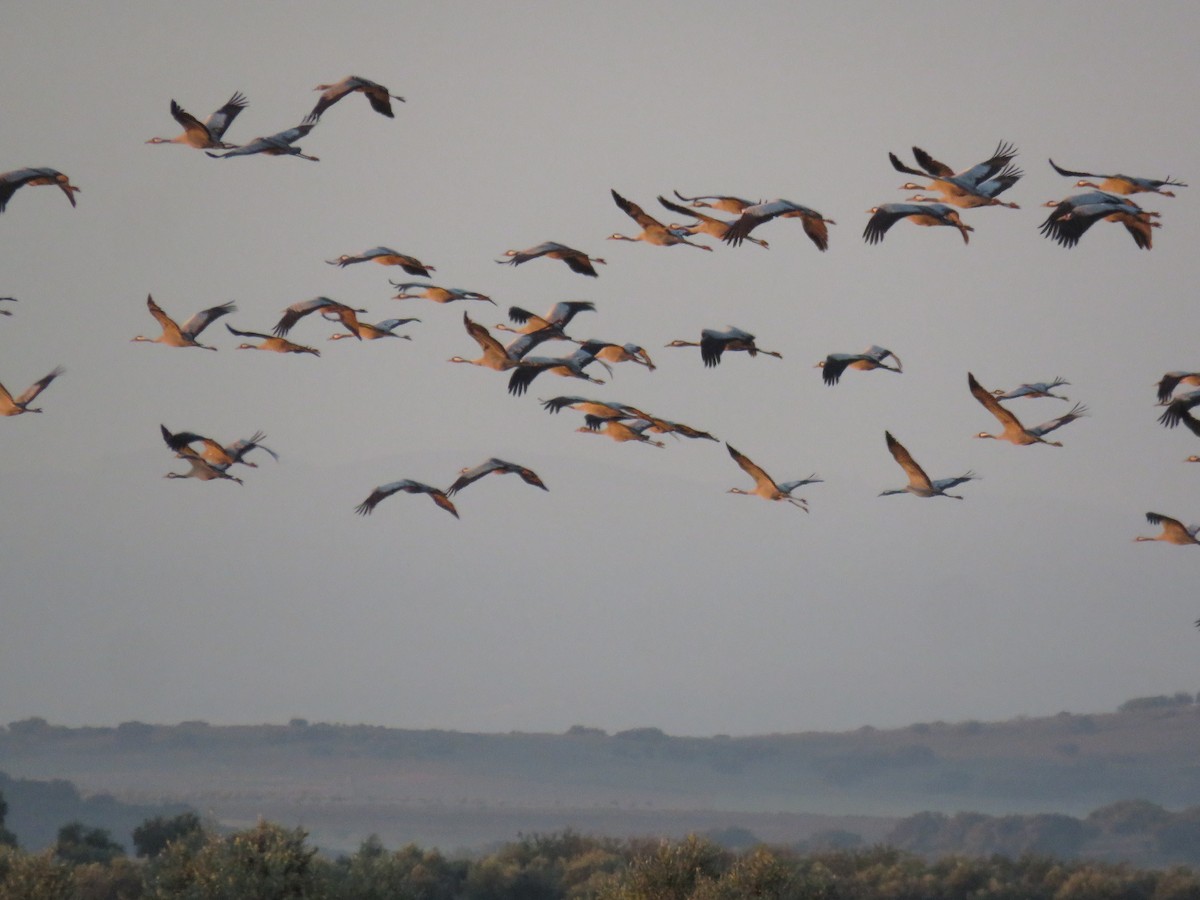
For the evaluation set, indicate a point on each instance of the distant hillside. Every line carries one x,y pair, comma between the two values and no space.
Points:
454,789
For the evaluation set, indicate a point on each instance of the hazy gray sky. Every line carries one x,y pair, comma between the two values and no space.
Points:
636,591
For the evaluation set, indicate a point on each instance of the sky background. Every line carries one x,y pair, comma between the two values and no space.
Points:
636,591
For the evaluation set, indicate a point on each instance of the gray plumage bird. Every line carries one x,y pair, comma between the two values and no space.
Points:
920,484
713,344
10,182
497,466
377,95
409,487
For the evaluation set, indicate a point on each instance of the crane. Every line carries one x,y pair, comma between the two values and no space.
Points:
1173,531
271,343
1014,432
576,260
568,366
735,205
10,182
704,224
920,484
278,144
556,318
873,357
961,184
498,466
204,135
653,231
1036,389
202,470
986,193
367,332
886,215
815,224
377,95
15,406
213,451
385,256
184,335
495,355
409,487
436,293
347,315
1171,380
1073,216
1177,412
714,343
620,430
765,486
1122,184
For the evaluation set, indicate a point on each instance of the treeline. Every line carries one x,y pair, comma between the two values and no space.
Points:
1128,830
181,859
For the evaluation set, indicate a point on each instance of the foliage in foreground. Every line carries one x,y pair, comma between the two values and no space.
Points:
269,861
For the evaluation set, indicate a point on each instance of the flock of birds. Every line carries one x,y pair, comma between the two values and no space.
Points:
940,195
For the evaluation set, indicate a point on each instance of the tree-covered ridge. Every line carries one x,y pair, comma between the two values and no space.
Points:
268,861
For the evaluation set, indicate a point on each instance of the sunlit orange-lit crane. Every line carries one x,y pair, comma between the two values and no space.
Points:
986,193
204,135
202,470
627,352
377,95
271,343
495,355
725,203
920,484
653,231
886,215
765,486
961,184
704,224
10,182
385,256
438,294
212,451
184,335
15,406
1173,531
576,260
1122,184
833,365
620,430
367,332
409,487
1014,432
